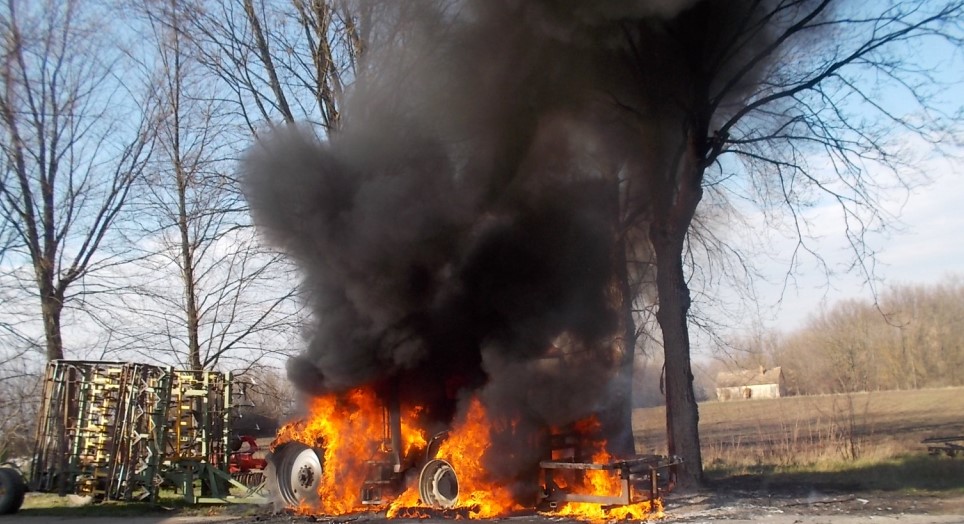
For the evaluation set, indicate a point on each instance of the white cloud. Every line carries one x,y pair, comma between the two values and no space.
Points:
924,246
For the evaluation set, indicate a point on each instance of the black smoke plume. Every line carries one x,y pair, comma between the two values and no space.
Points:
456,235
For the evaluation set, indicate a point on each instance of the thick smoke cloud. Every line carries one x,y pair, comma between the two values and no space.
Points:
457,234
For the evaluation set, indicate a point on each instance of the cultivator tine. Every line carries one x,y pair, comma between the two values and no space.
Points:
250,479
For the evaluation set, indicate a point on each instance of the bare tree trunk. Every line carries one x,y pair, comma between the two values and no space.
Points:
317,18
188,263
182,179
51,306
268,62
682,416
667,235
67,165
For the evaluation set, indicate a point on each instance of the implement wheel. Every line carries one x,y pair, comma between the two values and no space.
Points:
12,489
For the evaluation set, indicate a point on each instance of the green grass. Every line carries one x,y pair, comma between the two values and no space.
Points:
865,440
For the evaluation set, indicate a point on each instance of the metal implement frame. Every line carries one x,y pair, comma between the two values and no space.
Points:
950,446
80,414
383,479
138,434
118,431
649,465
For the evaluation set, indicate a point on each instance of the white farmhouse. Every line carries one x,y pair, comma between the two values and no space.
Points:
749,384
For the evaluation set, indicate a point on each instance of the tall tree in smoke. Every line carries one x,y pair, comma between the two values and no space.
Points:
773,84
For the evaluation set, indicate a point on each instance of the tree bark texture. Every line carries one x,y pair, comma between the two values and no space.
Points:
682,416
51,307
674,211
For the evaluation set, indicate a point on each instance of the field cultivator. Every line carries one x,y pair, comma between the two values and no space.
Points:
247,461
121,431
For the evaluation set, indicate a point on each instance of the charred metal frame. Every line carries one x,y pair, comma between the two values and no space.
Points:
641,472
384,470
645,468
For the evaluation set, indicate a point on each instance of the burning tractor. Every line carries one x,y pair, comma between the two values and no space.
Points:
492,310
355,451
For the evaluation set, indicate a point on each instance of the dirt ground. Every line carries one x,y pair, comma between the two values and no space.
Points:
731,506
806,428
786,507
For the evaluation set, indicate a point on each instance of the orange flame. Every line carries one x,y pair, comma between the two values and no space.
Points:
645,510
348,428
333,421
599,482
464,449
351,429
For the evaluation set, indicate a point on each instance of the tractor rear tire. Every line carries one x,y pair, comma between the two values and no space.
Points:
12,489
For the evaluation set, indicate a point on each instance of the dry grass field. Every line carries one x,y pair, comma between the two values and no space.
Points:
826,433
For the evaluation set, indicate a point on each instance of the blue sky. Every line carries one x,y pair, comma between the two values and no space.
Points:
924,238
924,245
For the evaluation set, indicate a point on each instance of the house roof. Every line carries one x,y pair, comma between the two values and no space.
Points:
749,377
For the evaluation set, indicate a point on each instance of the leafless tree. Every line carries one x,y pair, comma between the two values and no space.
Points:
206,290
19,393
69,152
284,62
7,239
274,63
803,100
850,346
267,392
7,242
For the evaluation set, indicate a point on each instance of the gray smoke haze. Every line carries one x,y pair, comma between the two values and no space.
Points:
456,234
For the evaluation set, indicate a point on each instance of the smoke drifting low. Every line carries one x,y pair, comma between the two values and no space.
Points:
417,276
457,234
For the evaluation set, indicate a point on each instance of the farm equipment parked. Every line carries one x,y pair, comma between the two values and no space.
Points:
245,465
950,446
120,431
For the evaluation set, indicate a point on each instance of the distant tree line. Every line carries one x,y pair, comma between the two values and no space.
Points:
911,337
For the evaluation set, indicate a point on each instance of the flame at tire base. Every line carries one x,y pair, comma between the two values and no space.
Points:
331,454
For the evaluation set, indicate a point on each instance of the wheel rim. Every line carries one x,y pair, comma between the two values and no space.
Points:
438,485
298,472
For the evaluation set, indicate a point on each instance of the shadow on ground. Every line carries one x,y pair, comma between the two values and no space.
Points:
910,472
